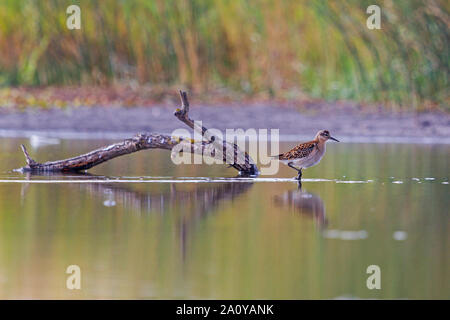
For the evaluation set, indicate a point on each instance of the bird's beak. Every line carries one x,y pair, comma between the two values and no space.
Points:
334,139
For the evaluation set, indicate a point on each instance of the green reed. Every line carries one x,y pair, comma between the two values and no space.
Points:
283,49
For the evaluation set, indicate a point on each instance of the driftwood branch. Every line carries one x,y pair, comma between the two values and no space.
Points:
241,160
96,157
30,162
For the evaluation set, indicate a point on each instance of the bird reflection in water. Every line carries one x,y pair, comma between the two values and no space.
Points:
305,203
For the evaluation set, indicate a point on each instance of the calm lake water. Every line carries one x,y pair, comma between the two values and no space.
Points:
145,228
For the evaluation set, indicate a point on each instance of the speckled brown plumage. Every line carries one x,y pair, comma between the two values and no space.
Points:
299,151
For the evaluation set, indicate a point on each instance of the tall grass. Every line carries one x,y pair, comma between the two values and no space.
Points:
276,48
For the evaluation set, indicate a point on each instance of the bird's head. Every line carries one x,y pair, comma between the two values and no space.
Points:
324,135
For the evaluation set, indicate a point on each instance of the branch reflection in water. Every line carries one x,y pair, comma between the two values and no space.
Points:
197,203
305,203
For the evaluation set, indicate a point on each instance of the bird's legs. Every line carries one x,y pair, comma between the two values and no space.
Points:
299,176
299,171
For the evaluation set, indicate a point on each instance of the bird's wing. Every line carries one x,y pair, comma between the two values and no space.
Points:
298,152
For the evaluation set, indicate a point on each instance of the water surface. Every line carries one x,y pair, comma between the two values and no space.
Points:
141,227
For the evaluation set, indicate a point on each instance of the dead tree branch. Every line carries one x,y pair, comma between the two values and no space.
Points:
241,160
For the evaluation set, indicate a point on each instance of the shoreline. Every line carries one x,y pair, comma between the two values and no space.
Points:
346,122
72,135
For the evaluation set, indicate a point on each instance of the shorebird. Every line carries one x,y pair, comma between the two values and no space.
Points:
306,154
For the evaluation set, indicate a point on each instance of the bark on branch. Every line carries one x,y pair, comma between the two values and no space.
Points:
230,152
241,160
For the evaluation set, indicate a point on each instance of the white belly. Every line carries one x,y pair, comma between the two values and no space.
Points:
309,161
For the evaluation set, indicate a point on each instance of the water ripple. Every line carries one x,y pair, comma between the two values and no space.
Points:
170,180
345,234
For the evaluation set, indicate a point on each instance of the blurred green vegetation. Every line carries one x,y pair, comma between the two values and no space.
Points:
283,49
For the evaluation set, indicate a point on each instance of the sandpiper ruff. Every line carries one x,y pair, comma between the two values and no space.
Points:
306,154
